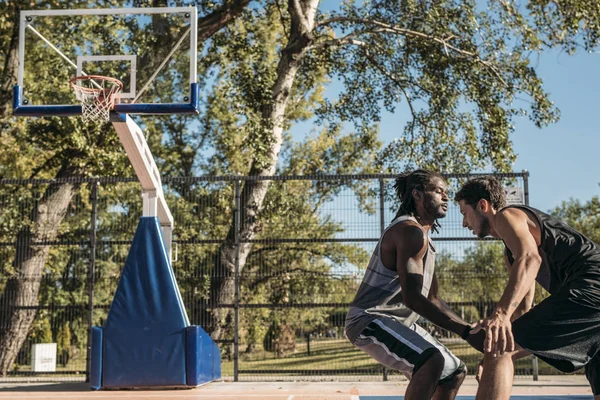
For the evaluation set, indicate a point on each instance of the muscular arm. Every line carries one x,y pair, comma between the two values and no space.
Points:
512,227
525,305
411,244
527,302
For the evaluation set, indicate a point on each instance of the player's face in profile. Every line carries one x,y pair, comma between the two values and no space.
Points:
474,220
435,199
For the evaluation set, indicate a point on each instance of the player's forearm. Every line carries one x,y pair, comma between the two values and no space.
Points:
447,309
518,312
437,312
521,280
525,305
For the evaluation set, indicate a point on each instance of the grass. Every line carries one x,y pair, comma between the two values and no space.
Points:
327,354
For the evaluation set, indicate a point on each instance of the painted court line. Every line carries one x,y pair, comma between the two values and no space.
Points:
533,397
96,395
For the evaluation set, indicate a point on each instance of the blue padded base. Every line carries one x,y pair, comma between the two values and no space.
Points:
203,357
145,332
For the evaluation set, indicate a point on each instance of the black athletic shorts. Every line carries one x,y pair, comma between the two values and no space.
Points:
564,331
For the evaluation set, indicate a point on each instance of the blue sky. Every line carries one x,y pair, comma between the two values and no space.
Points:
563,159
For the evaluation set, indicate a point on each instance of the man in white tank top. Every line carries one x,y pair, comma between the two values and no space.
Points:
399,286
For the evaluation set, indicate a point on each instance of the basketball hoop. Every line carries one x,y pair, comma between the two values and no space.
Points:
97,95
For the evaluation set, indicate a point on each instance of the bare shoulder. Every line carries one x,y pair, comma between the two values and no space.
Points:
406,237
510,216
515,224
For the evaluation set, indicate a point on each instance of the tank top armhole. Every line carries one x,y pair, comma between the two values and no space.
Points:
401,218
528,210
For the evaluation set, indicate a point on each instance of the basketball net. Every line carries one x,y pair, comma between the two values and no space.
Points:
97,95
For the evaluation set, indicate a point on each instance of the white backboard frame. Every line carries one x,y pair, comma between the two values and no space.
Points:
21,107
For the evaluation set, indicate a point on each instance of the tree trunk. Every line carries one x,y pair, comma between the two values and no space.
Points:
253,193
21,293
11,64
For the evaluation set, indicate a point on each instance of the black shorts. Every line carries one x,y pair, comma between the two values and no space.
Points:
564,331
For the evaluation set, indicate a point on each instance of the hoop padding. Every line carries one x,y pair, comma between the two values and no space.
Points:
97,95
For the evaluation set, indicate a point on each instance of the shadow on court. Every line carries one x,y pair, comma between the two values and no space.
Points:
50,387
555,388
473,397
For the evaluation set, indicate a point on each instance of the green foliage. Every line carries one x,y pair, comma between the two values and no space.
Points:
583,217
279,338
480,277
460,71
41,332
63,344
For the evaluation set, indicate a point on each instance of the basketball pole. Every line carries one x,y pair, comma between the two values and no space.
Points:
140,156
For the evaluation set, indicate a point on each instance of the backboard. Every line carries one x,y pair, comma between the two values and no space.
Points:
151,50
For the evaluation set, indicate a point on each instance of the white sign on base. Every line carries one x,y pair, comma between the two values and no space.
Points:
43,357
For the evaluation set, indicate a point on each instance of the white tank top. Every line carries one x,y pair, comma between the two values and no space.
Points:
379,293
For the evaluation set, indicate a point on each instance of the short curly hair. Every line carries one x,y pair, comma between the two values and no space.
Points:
483,187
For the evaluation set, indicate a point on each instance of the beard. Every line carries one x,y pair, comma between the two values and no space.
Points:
484,227
435,210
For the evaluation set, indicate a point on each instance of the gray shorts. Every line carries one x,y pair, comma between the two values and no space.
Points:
405,349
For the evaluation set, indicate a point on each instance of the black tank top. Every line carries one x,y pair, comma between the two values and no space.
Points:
566,254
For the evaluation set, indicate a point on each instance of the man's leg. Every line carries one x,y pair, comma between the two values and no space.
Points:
424,382
497,377
448,390
406,350
453,373
592,372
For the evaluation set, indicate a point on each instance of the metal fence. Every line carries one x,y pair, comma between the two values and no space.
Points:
297,267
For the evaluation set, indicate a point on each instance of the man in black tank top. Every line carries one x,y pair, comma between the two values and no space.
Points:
564,329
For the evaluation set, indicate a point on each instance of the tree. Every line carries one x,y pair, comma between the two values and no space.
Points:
69,149
479,277
584,217
63,344
433,57
457,69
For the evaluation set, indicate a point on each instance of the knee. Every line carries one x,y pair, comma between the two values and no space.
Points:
456,378
461,373
490,359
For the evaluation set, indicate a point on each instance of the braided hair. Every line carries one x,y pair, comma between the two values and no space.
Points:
404,185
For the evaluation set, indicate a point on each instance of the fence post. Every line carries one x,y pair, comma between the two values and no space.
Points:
91,274
526,186
236,301
382,228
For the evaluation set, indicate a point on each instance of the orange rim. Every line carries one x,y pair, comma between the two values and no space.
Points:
114,81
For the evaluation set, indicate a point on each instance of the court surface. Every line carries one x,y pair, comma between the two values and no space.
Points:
547,388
